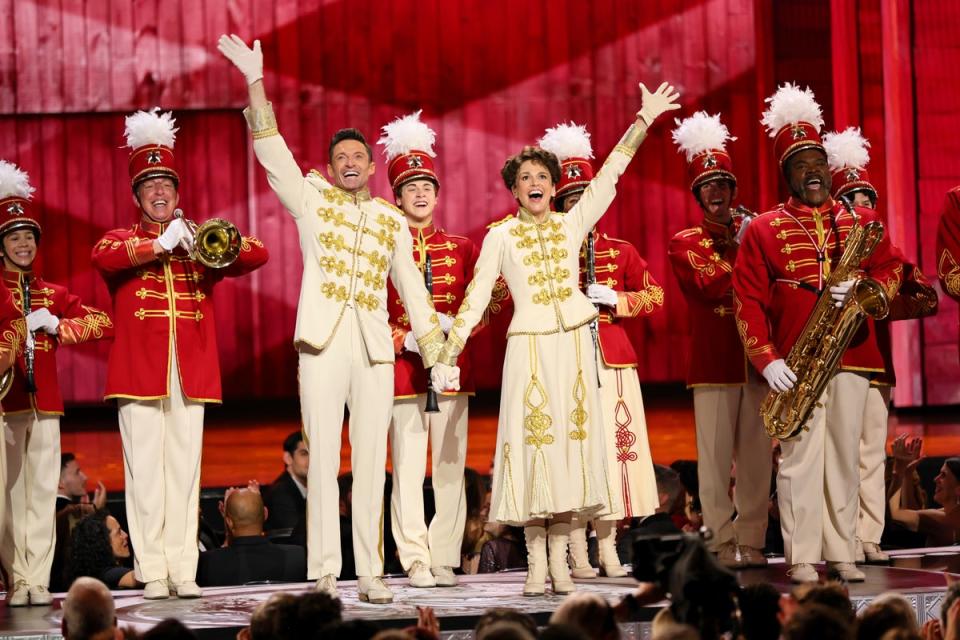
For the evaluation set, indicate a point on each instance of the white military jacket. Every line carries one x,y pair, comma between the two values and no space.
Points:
540,262
350,243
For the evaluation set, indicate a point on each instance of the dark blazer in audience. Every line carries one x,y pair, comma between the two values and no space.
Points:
251,559
286,506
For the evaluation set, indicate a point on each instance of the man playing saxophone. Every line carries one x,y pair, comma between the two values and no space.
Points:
784,266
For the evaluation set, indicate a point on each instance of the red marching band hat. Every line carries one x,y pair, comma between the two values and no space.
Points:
150,136
703,139
571,144
16,209
793,120
848,156
408,144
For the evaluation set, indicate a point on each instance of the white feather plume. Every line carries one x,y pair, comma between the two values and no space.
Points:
14,181
406,134
847,149
701,132
790,105
150,127
567,141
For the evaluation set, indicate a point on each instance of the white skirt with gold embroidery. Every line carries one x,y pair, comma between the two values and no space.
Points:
551,453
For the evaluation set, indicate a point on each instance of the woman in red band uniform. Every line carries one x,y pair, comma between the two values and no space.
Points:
427,555
726,392
551,456
163,366
785,261
624,288
848,155
55,317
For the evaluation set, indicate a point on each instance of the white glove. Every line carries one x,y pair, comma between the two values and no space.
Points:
743,229
446,323
410,343
443,377
656,103
779,376
42,319
249,61
841,291
602,294
176,233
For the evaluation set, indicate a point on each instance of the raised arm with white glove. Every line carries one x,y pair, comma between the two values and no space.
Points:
840,291
42,319
779,376
602,294
657,103
248,61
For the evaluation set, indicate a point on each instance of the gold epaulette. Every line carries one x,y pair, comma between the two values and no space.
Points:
620,240
453,235
692,231
392,207
497,223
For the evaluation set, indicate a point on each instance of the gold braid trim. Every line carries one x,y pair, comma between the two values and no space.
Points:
262,121
431,346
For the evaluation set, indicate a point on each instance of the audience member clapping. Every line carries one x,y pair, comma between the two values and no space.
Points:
101,549
88,612
941,526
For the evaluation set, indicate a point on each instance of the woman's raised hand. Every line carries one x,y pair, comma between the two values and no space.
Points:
657,103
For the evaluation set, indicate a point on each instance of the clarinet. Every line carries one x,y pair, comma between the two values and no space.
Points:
431,406
595,323
28,351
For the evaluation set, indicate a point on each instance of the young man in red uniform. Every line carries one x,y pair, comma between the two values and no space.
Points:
726,392
784,265
624,289
427,555
33,406
848,156
163,366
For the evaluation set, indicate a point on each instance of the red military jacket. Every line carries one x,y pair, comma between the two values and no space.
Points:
702,258
78,323
159,299
785,259
948,245
618,266
452,259
13,331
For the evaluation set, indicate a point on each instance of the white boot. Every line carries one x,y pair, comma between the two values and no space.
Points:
607,545
558,536
579,559
536,538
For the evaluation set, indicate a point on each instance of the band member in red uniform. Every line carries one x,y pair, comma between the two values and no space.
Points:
33,407
948,245
427,555
726,391
784,265
848,155
163,366
622,288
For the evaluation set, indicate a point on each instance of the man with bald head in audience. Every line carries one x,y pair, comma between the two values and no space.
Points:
251,557
88,612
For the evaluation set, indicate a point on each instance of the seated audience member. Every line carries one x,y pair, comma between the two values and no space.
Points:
936,629
251,557
497,615
72,487
588,612
169,629
941,526
832,595
671,495
674,631
816,622
286,499
99,548
475,534
759,606
355,629
88,612
505,630
887,612
506,550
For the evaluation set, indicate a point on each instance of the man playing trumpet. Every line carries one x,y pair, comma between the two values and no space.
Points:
163,365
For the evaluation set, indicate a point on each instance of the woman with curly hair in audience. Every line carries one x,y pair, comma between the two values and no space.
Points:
100,548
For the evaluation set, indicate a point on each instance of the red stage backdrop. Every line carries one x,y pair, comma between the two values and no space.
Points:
490,76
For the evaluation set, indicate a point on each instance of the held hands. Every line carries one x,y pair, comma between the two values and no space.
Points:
657,103
443,377
446,323
779,376
602,294
410,343
906,451
42,319
248,61
176,233
840,291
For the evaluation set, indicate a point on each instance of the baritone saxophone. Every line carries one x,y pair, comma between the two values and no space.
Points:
815,357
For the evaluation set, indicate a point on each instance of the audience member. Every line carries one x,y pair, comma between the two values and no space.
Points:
887,612
99,548
503,614
935,629
251,557
72,487
831,595
674,631
590,613
286,499
88,612
347,630
505,550
941,526
475,534
507,630
759,606
169,629
816,622
671,495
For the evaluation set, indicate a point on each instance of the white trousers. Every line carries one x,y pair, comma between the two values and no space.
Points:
447,433
343,374
162,444
32,475
819,476
873,458
729,429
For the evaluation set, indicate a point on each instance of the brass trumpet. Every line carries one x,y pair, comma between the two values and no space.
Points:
216,242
